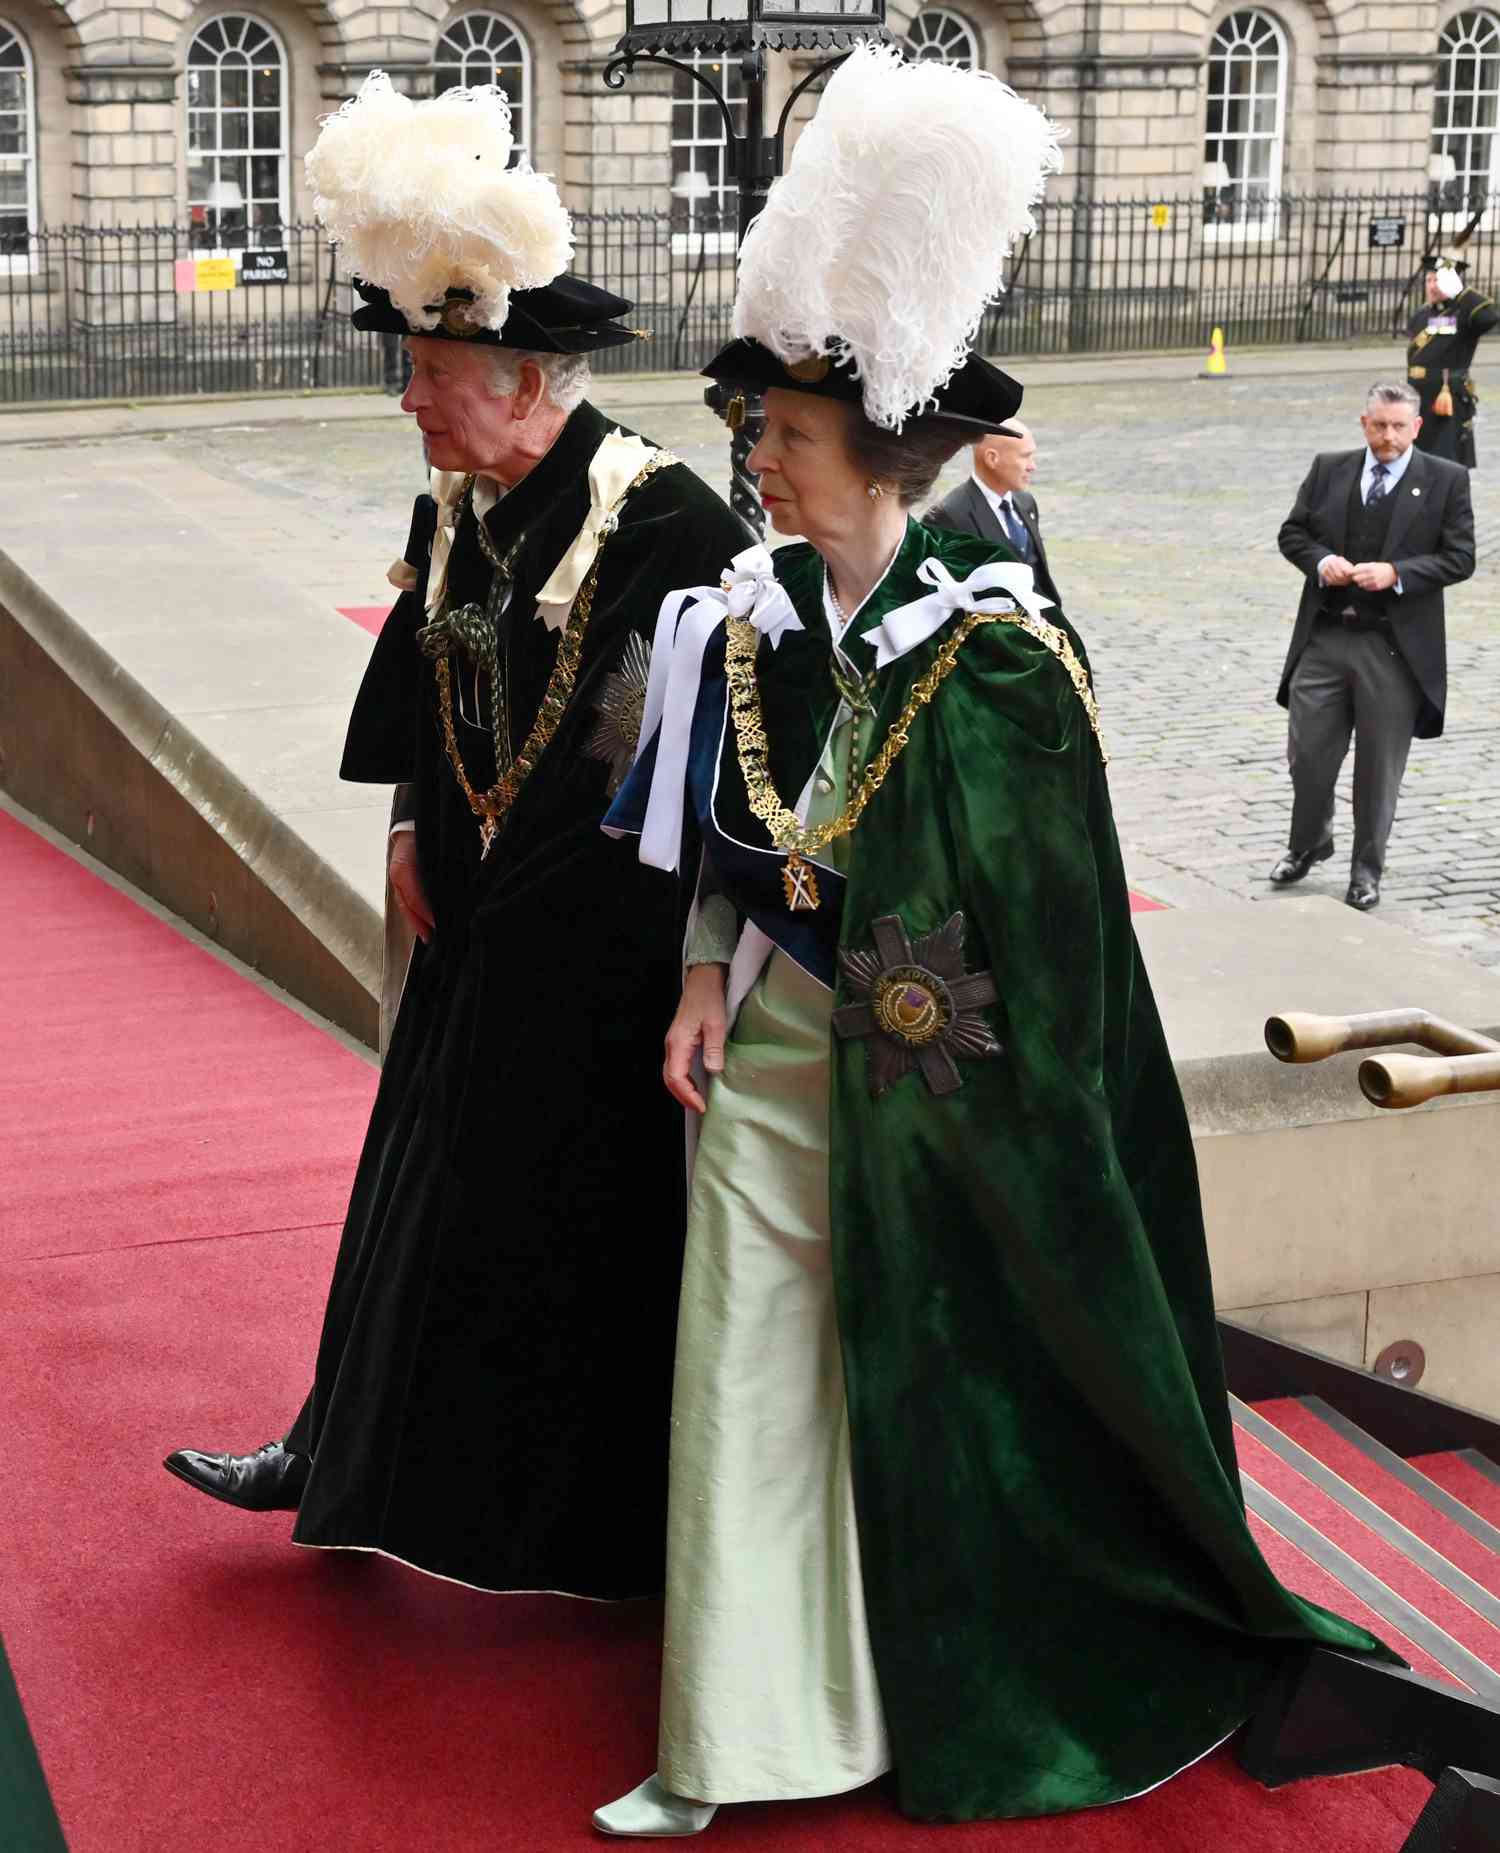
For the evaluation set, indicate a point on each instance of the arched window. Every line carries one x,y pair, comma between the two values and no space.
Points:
236,103
17,146
1246,119
1464,110
944,38
485,48
700,178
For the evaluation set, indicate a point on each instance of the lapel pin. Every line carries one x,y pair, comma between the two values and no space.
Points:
1415,490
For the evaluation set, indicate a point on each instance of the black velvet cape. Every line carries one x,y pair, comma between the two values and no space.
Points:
493,1382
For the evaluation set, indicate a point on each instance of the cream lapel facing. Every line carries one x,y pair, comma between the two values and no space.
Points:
446,488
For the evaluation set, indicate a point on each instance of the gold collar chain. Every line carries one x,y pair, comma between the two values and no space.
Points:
787,830
493,807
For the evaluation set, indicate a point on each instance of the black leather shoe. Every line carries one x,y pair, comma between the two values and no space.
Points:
1363,894
269,1480
1293,867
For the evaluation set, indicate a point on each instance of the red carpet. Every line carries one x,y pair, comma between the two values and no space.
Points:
174,1149
1385,1490
1306,1578
1365,1547
368,617
1452,1472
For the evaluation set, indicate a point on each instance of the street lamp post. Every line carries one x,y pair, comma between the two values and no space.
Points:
745,31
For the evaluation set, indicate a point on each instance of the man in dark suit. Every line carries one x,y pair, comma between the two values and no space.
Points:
994,502
1377,533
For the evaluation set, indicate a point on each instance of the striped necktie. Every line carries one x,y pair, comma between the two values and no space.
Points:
1015,528
1377,485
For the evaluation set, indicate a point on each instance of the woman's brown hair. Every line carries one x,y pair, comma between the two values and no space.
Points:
908,462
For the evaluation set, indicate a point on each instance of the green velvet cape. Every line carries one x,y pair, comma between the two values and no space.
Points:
1065,1602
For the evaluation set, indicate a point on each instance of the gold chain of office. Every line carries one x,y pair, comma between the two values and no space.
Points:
493,807
786,829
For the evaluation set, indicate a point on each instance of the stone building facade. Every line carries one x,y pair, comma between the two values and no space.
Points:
196,112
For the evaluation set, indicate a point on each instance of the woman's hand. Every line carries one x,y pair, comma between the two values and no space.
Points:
699,1023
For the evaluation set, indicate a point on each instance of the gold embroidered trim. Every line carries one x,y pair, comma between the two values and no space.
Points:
493,807
1059,643
785,828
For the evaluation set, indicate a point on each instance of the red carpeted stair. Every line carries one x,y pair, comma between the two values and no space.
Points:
1469,1476
175,1148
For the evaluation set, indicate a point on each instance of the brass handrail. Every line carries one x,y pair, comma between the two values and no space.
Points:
1465,1062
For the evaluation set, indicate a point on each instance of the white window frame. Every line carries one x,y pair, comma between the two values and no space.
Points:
710,154
1445,93
1262,229
12,263
250,153
466,55
942,23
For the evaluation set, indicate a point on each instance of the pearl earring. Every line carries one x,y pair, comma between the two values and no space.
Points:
874,490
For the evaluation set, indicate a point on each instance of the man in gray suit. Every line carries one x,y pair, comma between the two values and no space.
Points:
1377,533
995,504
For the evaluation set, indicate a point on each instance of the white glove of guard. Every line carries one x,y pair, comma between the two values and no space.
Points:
1449,282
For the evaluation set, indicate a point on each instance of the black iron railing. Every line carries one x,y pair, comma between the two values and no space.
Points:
143,311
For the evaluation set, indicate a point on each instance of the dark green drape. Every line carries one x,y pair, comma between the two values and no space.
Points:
1065,1601
28,1821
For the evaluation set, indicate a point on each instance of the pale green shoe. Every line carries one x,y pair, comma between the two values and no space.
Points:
654,1813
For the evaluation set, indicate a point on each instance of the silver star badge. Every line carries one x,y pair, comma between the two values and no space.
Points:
917,1005
621,709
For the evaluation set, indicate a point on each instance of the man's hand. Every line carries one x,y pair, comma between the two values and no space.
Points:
1374,575
405,877
700,1022
1336,570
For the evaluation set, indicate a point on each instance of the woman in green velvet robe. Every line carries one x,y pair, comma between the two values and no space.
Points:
953,1483
953,1488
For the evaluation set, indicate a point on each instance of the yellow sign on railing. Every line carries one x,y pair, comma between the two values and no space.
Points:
1161,218
205,273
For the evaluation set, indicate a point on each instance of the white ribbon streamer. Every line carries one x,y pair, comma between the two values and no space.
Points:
1000,586
749,591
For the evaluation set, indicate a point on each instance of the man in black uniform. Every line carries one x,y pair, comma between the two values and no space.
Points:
1441,339
1377,533
492,1388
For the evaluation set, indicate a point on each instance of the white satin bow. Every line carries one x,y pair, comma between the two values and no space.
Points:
752,591
749,591
999,586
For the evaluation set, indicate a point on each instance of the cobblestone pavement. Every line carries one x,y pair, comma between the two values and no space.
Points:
1161,507
1160,500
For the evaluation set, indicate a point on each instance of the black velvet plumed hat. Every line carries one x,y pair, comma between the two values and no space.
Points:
565,316
978,398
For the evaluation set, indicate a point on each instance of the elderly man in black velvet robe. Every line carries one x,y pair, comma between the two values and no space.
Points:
492,1389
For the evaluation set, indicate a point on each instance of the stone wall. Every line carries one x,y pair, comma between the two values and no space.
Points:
1125,80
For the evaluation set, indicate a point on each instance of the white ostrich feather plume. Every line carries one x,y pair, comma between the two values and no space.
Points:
887,236
421,200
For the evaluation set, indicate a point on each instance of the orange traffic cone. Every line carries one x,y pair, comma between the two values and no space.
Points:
1216,367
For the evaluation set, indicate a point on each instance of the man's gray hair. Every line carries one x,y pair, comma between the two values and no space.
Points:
568,376
1398,393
